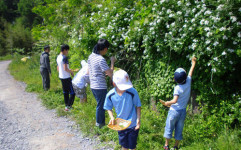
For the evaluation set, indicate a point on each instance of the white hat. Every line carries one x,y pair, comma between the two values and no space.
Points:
122,80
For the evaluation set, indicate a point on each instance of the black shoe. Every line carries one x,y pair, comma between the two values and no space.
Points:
176,148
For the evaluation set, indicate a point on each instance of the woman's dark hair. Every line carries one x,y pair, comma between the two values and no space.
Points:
64,47
101,45
46,47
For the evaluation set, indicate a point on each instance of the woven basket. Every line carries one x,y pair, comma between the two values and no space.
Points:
120,124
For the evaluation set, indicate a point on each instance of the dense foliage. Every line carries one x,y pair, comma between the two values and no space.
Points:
152,38
16,21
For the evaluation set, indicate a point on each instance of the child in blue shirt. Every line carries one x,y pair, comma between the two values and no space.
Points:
177,112
125,99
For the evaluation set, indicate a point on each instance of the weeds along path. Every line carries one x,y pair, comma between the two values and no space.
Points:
27,125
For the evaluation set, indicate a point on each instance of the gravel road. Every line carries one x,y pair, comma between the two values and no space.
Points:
27,125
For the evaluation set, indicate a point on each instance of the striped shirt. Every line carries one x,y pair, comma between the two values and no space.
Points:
97,67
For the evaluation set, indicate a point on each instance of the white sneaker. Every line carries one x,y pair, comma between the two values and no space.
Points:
66,109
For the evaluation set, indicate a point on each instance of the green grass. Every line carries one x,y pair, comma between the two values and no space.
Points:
199,133
6,57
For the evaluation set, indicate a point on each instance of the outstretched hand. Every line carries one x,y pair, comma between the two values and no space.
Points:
194,60
163,103
113,59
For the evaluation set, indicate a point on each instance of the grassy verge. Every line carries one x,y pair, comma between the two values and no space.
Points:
7,57
153,122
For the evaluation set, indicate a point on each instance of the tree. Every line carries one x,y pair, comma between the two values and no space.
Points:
8,9
29,18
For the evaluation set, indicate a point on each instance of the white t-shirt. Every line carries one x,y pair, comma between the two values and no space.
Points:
81,78
61,60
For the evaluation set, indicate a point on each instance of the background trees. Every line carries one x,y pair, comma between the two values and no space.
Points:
17,19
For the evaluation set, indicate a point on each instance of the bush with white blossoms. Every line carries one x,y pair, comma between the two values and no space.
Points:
151,38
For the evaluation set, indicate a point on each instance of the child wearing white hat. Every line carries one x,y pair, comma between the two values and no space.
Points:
125,99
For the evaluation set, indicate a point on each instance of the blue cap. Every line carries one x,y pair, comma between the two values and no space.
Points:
180,75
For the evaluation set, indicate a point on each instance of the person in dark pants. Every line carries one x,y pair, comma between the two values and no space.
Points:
98,68
64,76
45,69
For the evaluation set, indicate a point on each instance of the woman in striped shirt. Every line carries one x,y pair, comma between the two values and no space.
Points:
98,68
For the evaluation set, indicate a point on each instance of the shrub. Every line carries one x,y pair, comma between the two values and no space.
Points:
19,37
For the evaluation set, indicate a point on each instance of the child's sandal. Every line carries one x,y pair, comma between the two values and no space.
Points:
166,148
176,148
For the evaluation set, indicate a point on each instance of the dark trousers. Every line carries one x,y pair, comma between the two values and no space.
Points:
45,78
68,91
100,95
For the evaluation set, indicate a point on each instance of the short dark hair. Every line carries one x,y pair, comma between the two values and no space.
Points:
64,47
46,47
101,45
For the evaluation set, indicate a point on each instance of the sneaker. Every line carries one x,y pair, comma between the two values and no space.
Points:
175,148
166,148
66,108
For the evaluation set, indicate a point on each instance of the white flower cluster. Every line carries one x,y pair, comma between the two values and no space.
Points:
196,25
239,34
233,18
220,7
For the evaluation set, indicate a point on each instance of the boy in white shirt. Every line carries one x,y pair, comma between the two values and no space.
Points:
64,76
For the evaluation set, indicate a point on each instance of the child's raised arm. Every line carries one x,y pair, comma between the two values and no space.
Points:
194,59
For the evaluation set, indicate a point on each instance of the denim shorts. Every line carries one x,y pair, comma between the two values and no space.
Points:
175,120
128,138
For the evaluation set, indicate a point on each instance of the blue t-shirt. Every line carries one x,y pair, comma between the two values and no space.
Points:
183,92
125,105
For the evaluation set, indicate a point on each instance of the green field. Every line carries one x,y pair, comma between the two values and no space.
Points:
7,57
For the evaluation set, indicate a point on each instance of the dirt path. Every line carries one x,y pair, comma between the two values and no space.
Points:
26,125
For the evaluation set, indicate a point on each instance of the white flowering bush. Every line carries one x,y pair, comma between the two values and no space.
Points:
151,38
146,34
